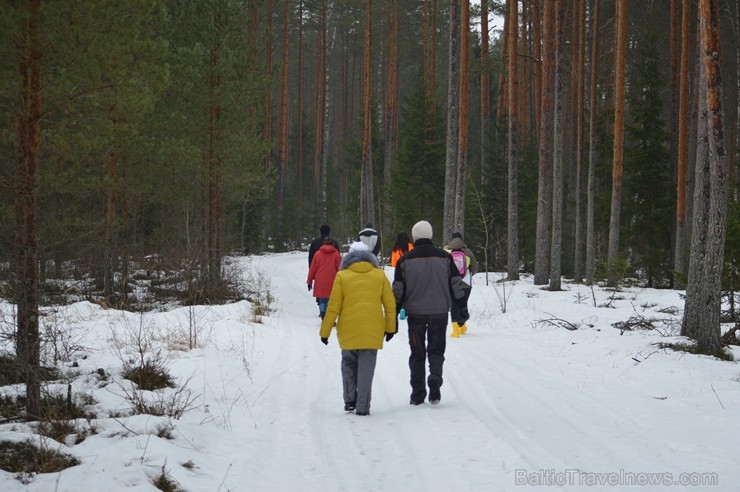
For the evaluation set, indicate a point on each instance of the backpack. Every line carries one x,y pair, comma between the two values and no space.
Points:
461,261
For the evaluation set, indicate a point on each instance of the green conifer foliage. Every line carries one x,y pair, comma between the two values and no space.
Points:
418,183
648,209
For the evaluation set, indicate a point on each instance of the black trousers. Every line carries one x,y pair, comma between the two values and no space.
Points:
427,339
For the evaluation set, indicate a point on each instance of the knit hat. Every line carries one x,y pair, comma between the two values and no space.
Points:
325,230
422,230
358,246
456,234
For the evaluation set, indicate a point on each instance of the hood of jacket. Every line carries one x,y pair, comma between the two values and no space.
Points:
327,248
357,256
456,243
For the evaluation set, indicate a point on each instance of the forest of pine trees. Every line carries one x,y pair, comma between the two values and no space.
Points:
573,139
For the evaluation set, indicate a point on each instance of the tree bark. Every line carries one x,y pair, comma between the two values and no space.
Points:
580,74
299,102
282,164
320,114
523,59
734,168
426,52
682,144
267,100
557,171
544,187
453,121
703,294
367,201
28,143
537,35
485,95
503,83
462,155
213,214
514,146
390,116
109,254
592,143
433,81
617,165
674,57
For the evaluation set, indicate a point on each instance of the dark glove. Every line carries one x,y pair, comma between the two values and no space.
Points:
462,315
325,341
388,336
309,287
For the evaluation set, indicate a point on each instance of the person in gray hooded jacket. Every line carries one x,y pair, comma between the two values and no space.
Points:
426,283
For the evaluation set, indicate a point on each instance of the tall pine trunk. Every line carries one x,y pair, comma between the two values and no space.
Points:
557,159
462,155
514,147
703,293
282,164
592,150
390,116
674,56
319,120
681,238
544,187
213,164
26,191
453,120
299,102
485,95
109,255
580,75
537,49
617,164
367,201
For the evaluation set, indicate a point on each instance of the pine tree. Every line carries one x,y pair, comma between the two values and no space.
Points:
647,180
701,319
420,173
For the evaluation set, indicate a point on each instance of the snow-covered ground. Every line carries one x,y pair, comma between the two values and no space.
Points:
526,405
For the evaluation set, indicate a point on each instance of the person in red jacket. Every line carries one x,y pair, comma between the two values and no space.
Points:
324,267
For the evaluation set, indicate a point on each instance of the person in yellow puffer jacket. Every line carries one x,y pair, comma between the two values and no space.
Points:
364,308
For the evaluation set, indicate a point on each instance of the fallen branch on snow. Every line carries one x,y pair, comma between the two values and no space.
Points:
557,322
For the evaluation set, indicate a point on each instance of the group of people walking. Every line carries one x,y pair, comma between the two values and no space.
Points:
428,283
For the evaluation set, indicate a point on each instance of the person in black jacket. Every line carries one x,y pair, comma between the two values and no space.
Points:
325,230
426,283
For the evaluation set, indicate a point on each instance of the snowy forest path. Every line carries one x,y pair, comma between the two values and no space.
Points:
304,386
517,399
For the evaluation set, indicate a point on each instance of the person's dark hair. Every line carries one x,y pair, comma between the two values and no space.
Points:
325,230
456,234
402,242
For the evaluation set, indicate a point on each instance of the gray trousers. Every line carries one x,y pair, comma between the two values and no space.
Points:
358,369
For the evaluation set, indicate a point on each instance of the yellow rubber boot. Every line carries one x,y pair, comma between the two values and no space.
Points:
463,329
455,330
